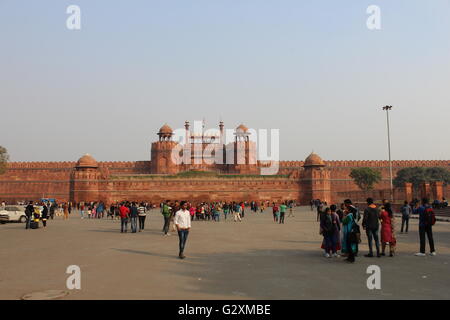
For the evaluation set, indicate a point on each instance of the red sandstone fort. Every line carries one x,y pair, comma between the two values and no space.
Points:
160,178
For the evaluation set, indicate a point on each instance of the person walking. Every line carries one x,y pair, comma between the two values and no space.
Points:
237,213
406,211
275,212
142,212
371,224
192,211
283,208
99,211
165,211
216,212
134,213
53,208
291,205
44,215
174,209
387,230
81,208
426,221
124,213
319,207
29,210
337,230
226,209
66,211
182,221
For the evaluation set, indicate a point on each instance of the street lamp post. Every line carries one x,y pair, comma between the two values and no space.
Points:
387,108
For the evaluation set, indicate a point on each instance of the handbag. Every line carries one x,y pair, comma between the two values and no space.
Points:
355,234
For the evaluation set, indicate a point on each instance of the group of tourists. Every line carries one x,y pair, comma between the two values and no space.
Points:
43,211
279,211
440,204
341,230
202,211
131,212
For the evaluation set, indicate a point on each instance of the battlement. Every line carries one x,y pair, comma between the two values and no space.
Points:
385,163
125,164
41,165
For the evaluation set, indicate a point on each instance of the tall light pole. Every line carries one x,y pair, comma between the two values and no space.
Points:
387,108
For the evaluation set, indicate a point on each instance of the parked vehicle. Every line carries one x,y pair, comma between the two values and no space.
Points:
12,213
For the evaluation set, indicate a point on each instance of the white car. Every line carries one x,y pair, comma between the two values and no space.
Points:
12,213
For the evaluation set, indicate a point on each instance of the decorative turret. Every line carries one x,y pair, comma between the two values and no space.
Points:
244,152
165,133
161,152
314,160
87,161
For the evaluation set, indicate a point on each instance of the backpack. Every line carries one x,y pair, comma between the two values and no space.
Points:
430,218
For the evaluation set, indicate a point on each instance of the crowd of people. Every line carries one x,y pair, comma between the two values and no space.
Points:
341,228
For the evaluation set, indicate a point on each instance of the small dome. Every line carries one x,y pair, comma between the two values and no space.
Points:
314,160
87,161
241,128
165,129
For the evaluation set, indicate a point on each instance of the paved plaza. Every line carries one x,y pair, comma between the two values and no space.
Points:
255,259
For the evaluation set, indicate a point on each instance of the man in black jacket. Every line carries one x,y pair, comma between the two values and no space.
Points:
29,210
371,223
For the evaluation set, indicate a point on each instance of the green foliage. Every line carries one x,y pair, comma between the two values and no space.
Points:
438,174
365,178
419,175
196,173
3,159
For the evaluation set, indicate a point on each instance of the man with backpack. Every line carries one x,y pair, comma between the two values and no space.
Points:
426,221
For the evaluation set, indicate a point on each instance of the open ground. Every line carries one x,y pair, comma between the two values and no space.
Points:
254,259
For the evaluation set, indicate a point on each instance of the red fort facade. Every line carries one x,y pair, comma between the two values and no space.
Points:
200,180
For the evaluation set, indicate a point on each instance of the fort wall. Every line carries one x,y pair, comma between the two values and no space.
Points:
132,180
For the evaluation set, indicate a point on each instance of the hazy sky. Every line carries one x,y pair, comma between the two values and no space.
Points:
309,68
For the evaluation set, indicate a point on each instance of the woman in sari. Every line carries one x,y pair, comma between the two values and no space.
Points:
387,230
349,247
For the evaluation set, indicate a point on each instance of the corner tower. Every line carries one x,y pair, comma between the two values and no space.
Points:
316,179
84,180
161,152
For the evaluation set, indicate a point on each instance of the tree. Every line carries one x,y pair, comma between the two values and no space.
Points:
365,178
438,174
3,159
414,175
420,175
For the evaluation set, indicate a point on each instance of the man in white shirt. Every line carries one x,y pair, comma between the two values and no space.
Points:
183,223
